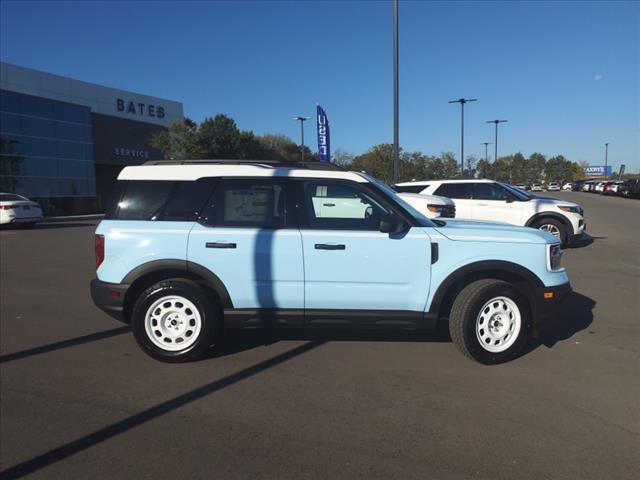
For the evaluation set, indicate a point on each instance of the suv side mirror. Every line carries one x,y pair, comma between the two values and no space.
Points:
510,199
389,223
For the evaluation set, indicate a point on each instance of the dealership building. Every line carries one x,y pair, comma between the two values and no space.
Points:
64,141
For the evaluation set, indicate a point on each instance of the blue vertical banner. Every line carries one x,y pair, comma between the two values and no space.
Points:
324,145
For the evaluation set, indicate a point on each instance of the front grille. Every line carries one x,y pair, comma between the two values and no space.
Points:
448,212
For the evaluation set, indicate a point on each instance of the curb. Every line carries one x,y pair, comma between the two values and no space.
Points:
71,218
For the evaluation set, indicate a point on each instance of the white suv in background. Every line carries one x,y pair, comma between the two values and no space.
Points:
431,206
480,199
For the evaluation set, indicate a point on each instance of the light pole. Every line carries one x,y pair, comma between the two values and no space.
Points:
495,158
301,120
462,101
396,142
606,157
486,157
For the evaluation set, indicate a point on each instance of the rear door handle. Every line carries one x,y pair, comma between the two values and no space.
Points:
220,245
328,204
330,246
483,204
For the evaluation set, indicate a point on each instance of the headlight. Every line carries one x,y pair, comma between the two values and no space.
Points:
554,257
565,208
445,211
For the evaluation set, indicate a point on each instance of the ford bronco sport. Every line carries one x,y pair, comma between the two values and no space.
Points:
189,248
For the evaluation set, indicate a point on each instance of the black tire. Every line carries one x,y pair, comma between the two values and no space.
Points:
562,228
210,318
27,226
464,313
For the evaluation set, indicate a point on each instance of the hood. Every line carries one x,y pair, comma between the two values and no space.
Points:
435,199
554,201
477,231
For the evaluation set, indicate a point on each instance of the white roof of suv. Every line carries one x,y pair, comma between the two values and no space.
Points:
198,170
429,182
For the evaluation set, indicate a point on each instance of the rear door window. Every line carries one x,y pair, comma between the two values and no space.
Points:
247,202
454,190
488,191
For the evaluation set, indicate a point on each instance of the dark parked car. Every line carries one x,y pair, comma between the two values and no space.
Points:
630,188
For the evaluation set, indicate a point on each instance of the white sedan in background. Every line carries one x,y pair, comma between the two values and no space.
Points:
16,209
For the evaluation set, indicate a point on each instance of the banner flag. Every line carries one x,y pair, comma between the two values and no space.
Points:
324,146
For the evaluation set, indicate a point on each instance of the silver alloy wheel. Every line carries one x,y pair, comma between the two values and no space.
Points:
173,323
498,324
550,228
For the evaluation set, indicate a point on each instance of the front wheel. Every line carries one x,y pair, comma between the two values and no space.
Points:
174,321
554,227
490,321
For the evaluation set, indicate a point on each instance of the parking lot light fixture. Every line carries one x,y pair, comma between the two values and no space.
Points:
495,145
301,120
462,101
606,157
486,156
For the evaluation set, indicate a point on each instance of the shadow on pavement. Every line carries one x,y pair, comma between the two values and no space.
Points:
239,340
577,315
83,443
64,344
583,241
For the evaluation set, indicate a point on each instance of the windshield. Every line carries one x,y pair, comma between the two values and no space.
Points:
423,221
519,194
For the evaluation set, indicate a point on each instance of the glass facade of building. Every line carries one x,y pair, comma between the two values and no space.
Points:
46,151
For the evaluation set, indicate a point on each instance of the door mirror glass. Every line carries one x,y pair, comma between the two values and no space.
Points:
389,223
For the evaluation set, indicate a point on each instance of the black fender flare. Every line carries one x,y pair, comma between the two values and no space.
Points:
553,215
527,280
190,268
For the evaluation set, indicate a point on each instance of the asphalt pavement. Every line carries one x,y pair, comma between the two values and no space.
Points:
78,399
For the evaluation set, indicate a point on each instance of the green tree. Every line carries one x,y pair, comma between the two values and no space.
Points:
376,162
450,166
535,167
484,169
179,141
342,158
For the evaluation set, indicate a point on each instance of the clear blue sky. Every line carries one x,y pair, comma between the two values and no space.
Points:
565,75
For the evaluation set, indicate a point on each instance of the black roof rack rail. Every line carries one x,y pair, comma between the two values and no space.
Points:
312,165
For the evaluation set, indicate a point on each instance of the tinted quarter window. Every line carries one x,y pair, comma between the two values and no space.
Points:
143,199
257,203
113,199
409,188
488,191
177,201
454,190
187,200
353,208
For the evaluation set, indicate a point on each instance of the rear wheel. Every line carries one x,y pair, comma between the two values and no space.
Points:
490,321
554,227
174,321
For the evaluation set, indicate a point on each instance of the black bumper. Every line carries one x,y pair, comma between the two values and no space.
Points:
109,297
547,304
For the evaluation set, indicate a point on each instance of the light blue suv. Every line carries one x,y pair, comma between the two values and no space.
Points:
187,249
